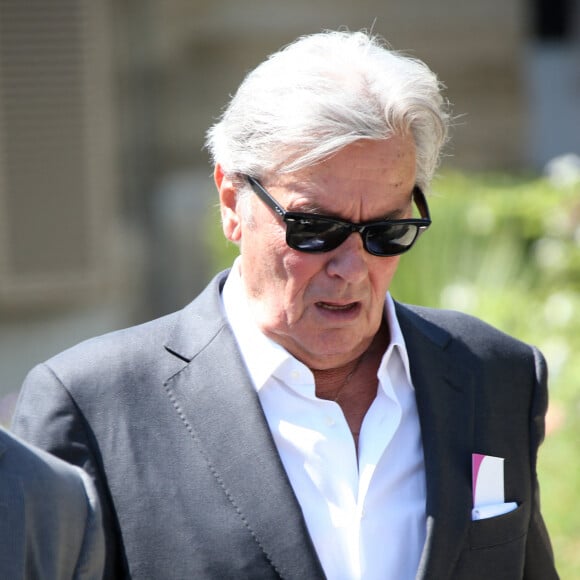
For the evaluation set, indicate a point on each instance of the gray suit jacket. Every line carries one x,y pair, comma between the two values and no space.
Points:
165,418
50,523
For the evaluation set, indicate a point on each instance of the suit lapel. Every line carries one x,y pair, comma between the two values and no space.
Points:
444,389
224,413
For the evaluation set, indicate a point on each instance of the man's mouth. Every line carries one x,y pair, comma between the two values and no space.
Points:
337,307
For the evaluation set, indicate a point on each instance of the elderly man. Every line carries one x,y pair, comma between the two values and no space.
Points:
50,522
294,421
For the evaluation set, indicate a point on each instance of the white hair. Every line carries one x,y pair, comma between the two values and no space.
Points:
323,92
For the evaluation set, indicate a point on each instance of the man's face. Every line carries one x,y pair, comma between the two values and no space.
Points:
324,308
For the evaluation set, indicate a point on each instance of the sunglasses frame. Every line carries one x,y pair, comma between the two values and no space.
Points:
418,197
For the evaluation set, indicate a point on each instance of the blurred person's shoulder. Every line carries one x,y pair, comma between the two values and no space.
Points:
37,468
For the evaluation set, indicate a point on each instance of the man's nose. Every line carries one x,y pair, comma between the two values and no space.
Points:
349,260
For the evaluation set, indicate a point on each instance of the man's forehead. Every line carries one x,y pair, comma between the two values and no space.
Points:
375,203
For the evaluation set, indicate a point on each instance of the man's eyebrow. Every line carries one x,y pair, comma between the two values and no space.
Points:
398,213
304,203
394,214
307,207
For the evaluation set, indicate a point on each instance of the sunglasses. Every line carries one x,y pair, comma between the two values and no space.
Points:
310,232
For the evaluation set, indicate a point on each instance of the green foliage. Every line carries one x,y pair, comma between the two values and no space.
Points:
507,249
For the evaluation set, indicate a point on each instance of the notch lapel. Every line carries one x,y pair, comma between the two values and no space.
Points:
222,409
443,385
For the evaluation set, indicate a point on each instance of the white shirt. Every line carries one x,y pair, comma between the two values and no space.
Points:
365,515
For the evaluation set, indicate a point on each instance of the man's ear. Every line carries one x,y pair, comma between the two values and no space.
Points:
229,207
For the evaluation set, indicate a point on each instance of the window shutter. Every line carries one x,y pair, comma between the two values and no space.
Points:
56,173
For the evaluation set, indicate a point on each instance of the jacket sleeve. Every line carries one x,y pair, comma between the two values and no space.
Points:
539,563
47,416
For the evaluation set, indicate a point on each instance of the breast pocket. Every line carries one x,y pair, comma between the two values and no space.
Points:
499,530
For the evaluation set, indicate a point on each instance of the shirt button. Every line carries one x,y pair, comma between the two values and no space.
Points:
295,375
330,422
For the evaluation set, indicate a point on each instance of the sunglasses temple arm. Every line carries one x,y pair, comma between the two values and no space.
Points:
421,203
265,196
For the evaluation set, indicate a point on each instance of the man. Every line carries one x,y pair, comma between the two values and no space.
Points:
50,526
294,421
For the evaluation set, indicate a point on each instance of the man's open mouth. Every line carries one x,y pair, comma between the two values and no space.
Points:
337,307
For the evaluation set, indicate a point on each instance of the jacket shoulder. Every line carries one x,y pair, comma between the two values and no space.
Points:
444,325
131,358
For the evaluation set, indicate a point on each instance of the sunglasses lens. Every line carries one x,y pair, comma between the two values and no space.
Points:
314,234
390,240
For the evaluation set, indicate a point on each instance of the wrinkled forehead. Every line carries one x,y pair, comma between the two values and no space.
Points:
363,181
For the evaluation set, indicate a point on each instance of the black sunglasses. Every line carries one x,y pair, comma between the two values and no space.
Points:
310,232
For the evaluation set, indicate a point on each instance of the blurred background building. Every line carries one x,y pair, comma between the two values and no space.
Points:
104,184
